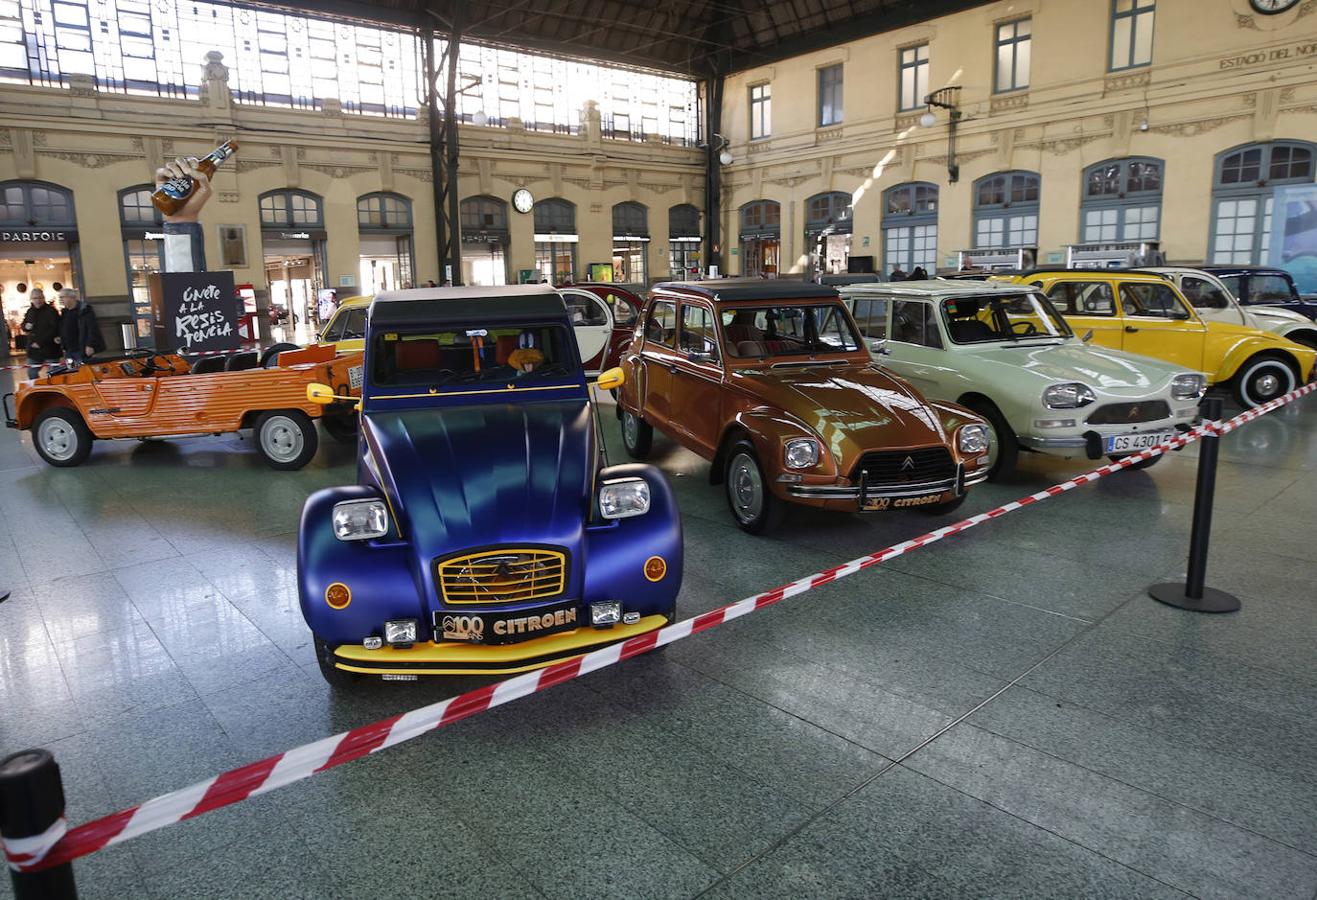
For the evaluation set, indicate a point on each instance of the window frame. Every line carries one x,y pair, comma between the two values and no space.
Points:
1260,191
913,219
26,185
286,195
929,317
1013,42
761,110
385,197
834,90
713,335
1135,13
1007,208
1122,200
650,315
913,66
552,207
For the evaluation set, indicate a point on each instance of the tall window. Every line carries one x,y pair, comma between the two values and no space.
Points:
684,241
383,210
30,204
630,243
1122,200
287,209
1006,210
914,76
830,111
761,238
910,227
1014,46
761,111
485,239
555,240
1131,33
1243,194
142,257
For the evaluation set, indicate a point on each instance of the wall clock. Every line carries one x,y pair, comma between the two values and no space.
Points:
1272,7
522,201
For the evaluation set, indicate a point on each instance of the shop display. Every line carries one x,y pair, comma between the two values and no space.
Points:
487,532
1153,319
771,381
143,394
1004,352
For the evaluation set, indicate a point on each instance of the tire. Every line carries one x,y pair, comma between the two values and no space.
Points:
754,508
270,355
1263,378
637,435
61,438
940,509
335,676
1142,464
340,427
1004,441
287,438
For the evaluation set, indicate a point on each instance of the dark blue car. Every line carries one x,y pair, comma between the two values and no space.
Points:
1264,286
486,533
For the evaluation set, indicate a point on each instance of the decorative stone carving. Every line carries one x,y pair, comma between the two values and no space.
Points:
828,134
1127,82
1062,146
419,174
1243,20
81,85
214,91
1201,126
1008,102
331,107
907,120
248,165
229,196
1286,95
759,146
337,171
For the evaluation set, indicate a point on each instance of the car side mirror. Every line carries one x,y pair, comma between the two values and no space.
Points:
880,347
699,356
323,395
611,379
1088,336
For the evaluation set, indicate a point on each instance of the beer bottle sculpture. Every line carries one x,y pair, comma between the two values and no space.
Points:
170,196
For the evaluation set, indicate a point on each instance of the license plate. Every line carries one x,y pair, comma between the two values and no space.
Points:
1132,443
354,376
506,627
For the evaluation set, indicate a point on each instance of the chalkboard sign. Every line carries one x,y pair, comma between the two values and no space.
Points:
194,311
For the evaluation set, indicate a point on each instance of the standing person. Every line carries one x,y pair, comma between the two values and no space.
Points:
918,273
78,330
41,325
898,274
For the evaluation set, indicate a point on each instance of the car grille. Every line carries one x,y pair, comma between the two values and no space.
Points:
892,468
1126,413
509,575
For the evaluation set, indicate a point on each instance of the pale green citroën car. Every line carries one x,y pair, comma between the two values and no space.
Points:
1004,352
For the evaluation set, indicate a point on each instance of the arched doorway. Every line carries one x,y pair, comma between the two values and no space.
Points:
485,240
384,234
38,244
293,251
828,233
761,238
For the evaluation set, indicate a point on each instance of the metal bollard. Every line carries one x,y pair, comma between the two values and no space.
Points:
31,816
1193,594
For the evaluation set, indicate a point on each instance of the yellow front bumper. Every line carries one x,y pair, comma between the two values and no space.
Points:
485,659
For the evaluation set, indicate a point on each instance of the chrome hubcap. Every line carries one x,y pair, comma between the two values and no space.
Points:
281,439
630,429
745,487
1267,385
58,439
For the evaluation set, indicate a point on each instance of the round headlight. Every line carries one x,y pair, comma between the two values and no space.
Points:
1068,396
801,453
973,439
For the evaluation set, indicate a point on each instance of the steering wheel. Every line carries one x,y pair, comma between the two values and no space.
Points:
1024,329
149,367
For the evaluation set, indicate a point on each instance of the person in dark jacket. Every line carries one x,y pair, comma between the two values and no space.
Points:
78,330
898,274
918,273
41,325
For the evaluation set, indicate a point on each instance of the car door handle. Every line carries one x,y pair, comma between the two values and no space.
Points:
1130,329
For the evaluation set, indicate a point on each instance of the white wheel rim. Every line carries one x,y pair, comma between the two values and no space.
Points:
745,488
1268,384
281,439
58,439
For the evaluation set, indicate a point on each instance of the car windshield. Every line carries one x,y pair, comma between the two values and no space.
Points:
1013,317
472,354
770,331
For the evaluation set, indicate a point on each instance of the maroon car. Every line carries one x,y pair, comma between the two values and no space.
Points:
604,316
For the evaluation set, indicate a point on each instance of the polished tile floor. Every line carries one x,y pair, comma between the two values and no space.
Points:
1004,714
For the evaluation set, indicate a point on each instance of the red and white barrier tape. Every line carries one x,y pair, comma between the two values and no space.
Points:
26,853
302,762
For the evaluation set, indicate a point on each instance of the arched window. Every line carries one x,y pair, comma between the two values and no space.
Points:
630,243
36,204
910,227
136,209
684,241
483,216
555,239
285,209
1122,200
1243,193
828,232
761,238
485,240
1006,210
384,212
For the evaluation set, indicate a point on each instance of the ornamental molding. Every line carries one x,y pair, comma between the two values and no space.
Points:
229,196
1062,146
759,146
38,139
791,180
1200,126
830,134
858,171
658,188
248,165
909,120
166,145
963,156
1243,20
1115,83
278,152
6,138
1008,102
418,174
338,171
1288,94
91,160
1310,108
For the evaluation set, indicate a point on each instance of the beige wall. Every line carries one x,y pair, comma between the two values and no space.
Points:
96,144
1198,98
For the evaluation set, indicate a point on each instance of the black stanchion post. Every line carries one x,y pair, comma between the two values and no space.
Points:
31,803
1193,594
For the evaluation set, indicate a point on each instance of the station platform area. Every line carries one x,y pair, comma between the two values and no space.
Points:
1005,713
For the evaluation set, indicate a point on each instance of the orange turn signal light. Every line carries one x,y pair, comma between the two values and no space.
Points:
655,568
338,596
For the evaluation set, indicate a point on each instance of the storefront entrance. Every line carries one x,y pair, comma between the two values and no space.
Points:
49,265
294,272
385,263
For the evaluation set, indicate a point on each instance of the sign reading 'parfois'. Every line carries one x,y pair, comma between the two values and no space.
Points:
195,311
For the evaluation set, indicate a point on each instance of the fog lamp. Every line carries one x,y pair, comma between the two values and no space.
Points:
623,498
630,618
607,612
400,632
373,642
360,520
1053,423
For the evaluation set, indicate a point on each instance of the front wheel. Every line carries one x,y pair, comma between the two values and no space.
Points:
637,435
61,437
286,438
331,673
1004,447
753,505
1263,378
1141,464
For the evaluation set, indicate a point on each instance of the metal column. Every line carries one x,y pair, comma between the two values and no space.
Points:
444,150
713,203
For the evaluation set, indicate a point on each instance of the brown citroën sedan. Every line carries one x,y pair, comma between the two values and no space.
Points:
771,381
